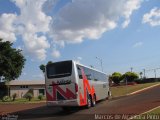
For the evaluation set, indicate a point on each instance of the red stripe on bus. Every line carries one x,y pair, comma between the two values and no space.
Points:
68,94
86,87
49,97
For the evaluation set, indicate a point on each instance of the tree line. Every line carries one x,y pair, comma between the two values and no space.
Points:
117,77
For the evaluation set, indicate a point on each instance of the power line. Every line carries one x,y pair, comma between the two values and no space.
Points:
147,70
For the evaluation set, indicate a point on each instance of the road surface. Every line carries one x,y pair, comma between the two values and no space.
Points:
111,109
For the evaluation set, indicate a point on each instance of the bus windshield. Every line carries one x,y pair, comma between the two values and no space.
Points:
59,69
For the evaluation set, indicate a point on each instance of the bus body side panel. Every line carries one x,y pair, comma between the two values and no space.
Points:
80,83
85,88
99,88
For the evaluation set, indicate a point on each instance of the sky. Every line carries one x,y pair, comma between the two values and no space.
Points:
124,34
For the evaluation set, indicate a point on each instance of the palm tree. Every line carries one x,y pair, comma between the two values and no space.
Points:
141,73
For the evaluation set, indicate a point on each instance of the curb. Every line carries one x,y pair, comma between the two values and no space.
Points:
135,92
144,113
138,91
150,110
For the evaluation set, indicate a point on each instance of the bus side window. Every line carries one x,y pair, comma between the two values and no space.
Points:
95,76
79,72
92,75
88,73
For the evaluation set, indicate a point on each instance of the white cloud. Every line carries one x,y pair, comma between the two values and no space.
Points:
32,24
78,59
36,45
19,48
56,53
153,17
74,22
89,19
6,27
129,7
138,44
125,23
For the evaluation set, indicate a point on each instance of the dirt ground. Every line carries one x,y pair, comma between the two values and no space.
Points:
10,108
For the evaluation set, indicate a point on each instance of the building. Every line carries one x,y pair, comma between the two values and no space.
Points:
22,87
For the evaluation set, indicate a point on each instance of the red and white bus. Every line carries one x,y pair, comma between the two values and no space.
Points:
69,83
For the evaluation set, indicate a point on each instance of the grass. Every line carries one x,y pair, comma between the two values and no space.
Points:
155,111
152,115
22,100
124,90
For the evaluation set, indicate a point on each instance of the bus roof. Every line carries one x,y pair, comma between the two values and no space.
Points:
88,67
82,65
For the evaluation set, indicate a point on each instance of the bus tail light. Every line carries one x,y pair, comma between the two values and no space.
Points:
76,87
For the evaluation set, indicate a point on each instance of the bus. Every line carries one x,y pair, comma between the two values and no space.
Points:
69,83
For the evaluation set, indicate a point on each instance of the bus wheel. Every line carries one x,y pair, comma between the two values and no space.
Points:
109,95
89,101
93,101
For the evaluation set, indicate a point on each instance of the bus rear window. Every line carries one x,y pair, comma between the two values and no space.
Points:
59,69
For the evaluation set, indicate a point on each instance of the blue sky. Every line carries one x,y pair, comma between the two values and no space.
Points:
123,33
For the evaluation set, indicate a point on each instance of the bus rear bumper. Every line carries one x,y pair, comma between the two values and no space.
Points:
73,102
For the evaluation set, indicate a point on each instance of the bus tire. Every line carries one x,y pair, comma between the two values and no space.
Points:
94,100
89,101
109,95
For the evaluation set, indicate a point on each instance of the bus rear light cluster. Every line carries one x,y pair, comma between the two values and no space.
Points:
76,87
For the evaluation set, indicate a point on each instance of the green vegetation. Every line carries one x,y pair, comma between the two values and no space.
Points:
29,96
40,97
42,66
123,90
11,61
130,76
14,96
156,111
116,77
22,100
152,115
6,99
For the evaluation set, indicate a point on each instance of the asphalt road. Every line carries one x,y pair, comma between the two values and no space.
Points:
111,109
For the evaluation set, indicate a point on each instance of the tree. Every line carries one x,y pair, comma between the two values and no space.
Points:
14,96
42,66
11,61
29,96
116,77
40,97
130,76
141,73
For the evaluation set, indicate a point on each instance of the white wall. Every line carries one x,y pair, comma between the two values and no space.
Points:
22,91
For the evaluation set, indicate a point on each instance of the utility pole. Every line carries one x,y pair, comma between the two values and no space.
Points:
100,62
155,73
131,69
144,73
